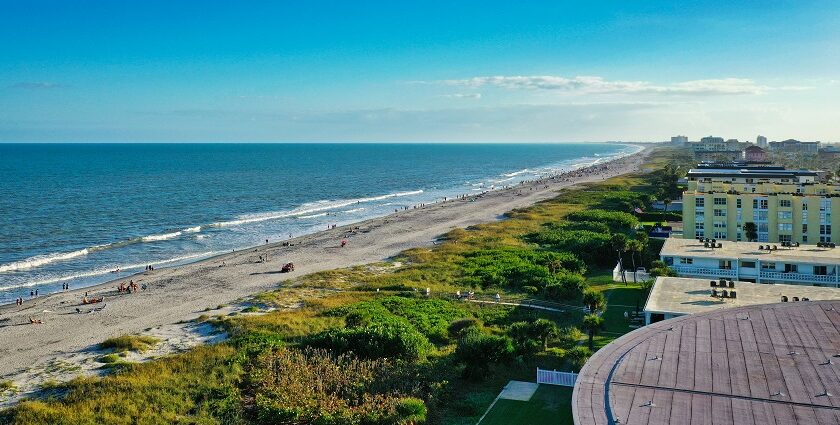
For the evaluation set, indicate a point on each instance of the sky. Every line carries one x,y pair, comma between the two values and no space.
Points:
478,71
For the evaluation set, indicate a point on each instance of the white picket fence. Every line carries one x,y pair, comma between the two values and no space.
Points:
553,377
628,274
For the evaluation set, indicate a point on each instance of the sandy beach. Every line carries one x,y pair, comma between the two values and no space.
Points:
180,294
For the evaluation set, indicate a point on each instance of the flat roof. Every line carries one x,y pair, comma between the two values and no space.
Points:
755,365
678,247
678,295
747,172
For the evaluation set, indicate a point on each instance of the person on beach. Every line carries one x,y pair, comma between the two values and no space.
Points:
35,321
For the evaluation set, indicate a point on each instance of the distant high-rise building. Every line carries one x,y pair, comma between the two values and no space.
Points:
679,140
761,141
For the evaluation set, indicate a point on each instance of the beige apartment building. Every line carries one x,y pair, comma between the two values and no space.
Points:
785,205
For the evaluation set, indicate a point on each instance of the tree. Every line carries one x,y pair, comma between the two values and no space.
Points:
594,300
478,350
619,244
529,335
592,323
666,201
751,231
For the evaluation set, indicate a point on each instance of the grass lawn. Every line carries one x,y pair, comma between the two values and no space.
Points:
551,404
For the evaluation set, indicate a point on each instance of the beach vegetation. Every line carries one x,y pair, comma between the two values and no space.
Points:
138,343
366,345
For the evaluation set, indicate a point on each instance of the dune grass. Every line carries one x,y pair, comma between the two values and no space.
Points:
138,343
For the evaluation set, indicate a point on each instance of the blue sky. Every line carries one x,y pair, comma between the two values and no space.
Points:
417,71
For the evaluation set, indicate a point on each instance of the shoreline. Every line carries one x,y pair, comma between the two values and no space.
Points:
182,293
180,261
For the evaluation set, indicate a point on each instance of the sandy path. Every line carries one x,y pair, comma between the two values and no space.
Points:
182,293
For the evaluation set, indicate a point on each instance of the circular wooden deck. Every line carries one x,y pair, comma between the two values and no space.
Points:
768,364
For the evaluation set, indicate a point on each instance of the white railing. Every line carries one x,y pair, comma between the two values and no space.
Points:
553,377
703,271
799,277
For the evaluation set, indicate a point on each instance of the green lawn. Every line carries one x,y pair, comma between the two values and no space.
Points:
550,405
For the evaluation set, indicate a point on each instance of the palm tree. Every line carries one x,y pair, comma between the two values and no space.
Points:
592,323
619,244
594,300
634,246
666,201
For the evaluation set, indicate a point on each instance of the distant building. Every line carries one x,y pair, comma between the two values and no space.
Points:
785,205
748,262
792,146
679,140
761,141
829,152
712,148
755,154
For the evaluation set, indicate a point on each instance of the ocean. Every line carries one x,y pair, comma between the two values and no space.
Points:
75,213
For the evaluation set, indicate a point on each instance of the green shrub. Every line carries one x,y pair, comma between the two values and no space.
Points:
577,356
109,358
531,290
391,340
477,351
565,287
458,326
617,221
517,267
592,247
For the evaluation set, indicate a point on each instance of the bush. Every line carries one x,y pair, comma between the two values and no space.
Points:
477,351
617,221
569,337
384,340
517,267
458,326
577,356
431,317
531,337
315,386
530,290
591,247
565,287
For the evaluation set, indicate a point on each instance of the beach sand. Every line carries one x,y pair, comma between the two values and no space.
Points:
179,294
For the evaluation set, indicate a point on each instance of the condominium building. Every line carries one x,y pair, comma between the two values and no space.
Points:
679,140
712,148
784,205
749,262
792,146
761,141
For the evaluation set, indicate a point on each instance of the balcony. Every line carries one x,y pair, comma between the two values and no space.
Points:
799,277
703,271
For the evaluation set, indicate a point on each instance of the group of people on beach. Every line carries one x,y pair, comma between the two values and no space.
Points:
131,287
149,268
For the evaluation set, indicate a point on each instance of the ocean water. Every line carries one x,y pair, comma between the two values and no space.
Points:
76,212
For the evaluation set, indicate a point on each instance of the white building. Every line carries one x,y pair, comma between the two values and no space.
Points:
676,296
679,140
746,261
761,141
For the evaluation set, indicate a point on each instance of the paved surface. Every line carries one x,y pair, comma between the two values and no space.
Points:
518,390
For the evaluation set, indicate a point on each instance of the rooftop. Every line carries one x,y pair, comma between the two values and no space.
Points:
677,295
766,364
677,247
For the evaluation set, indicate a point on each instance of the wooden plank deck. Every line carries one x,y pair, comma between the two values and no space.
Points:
753,365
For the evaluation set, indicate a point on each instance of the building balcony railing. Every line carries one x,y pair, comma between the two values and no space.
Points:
703,271
799,277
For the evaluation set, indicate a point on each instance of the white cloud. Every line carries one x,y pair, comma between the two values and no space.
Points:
599,85
463,96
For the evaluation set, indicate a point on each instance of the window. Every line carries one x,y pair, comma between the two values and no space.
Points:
738,203
684,260
759,215
804,215
719,235
804,206
820,270
804,228
825,229
804,238
785,215
760,204
699,202
791,268
824,238
720,213
768,266
785,227
748,264
720,201
725,264
720,225
784,203
785,238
